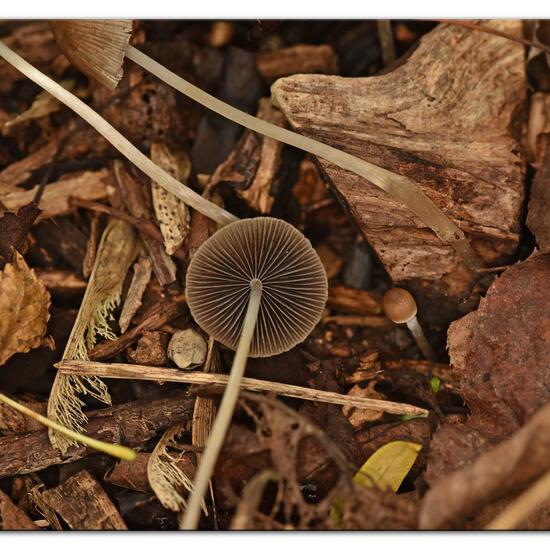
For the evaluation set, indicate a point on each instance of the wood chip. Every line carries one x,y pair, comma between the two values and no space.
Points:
12,518
83,504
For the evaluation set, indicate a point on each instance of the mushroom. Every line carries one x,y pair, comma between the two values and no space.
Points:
400,307
118,451
258,287
97,48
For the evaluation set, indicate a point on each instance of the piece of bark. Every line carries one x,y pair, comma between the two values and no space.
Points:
134,200
91,245
331,261
509,466
35,43
500,357
154,318
538,129
83,504
255,167
62,283
426,120
13,518
55,199
344,298
298,59
140,280
131,424
14,422
538,218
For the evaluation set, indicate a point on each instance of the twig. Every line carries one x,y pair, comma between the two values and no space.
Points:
489,30
144,226
157,374
527,503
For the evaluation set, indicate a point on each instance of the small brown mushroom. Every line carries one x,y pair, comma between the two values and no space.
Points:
258,287
83,42
400,307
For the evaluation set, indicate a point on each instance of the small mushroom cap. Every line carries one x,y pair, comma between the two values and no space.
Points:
96,47
399,305
294,284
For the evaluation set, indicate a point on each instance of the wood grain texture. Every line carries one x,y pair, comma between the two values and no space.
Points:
83,504
449,118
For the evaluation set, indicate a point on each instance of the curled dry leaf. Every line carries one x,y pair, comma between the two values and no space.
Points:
500,356
14,229
172,213
24,303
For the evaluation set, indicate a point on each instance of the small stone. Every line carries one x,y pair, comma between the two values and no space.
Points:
187,348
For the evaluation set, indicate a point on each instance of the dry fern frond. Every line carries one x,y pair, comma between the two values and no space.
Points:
117,250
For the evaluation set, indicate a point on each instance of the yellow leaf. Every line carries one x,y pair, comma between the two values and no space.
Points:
387,467
24,309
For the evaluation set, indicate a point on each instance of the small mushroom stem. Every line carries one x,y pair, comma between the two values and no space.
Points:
117,140
399,187
225,412
418,334
118,451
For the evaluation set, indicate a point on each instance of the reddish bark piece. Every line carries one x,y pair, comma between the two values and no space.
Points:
83,504
538,219
11,517
500,354
509,466
447,118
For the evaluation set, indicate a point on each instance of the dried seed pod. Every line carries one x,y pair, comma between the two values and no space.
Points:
293,282
95,47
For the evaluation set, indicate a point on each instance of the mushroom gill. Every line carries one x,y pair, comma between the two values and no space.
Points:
292,277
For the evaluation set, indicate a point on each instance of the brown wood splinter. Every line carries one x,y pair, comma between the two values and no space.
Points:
258,287
400,307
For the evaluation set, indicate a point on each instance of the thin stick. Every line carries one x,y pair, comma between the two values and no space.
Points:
225,412
385,35
524,505
495,32
157,374
118,451
400,187
117,140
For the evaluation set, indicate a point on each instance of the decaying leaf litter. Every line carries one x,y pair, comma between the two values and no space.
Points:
95,254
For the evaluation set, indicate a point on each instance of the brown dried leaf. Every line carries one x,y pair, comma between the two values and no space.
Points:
14,229
24,303
43,105
500,354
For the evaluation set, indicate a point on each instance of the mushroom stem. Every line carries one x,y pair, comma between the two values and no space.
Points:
418,334
400,187
113,136
118,451
225,411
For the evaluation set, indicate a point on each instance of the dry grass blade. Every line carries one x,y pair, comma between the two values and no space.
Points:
143,372
117,250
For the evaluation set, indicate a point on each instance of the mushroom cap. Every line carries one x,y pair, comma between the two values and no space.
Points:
399,305
96,47
294,284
